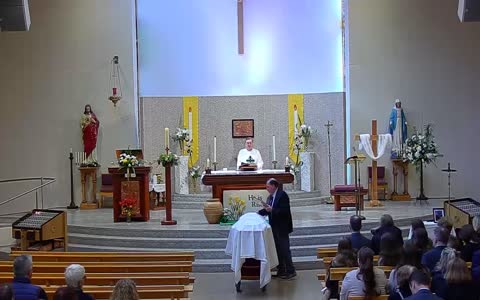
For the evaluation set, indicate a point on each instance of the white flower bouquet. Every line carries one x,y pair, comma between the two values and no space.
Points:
421,148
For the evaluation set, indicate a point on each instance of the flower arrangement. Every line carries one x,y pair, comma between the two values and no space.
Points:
306,134
297,148
236,209
195,172
182,136
421,148
128,206
168,158
128,161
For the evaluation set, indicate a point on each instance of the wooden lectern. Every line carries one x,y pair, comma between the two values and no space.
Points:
135,187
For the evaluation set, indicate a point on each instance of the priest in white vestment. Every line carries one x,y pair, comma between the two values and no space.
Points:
249,155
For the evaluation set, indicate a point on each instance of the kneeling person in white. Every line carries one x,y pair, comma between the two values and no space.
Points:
249,155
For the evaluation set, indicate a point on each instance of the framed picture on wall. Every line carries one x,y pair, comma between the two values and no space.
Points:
242,128
438,213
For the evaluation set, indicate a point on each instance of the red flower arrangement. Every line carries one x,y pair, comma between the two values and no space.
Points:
128,206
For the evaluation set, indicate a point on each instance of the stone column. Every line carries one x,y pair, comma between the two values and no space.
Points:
307,172
181,176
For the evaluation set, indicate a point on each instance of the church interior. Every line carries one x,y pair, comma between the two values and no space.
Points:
336,96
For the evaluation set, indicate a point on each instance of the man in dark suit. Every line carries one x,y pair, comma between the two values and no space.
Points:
358,239
419,284
386,225
277,208
430,258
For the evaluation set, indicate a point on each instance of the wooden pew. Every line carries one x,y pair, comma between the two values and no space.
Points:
107,267
79,257
339,273
102,279
327,261
326,252
381,297
145,292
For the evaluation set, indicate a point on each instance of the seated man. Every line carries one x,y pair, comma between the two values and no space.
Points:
430,258
420,287
386,225
75,277
249,155
358,239
23,289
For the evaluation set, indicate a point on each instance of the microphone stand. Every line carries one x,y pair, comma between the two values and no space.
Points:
356,160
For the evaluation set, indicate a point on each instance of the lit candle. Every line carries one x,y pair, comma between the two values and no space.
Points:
214,149
71,150
208,163
274,154
190,122
295,119
167,137
286,161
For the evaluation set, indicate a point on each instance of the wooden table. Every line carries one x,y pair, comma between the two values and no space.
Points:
85,174
400,165
243,180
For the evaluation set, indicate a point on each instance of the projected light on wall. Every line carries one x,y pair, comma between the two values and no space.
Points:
189,47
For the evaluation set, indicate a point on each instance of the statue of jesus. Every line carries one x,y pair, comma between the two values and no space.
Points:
398,129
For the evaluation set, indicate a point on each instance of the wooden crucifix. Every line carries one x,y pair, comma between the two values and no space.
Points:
374,193
240,26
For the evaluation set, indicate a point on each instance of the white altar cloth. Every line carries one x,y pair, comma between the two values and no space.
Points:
251,237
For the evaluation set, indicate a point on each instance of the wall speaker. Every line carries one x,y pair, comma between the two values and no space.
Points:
14,15
469,10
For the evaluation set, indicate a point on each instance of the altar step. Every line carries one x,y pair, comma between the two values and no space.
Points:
209,244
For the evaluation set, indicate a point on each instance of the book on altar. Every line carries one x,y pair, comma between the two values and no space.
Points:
138,153
248,167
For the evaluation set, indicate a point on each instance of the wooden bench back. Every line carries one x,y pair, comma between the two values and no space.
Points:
79,257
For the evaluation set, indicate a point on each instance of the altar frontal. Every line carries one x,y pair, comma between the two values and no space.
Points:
252,198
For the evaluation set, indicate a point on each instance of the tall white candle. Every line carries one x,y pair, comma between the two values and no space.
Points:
71,150
167,138
84,157
274,154
295,119
190,122
214,149
286,161
208,163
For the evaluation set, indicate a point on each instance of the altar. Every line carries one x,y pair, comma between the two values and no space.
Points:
243,180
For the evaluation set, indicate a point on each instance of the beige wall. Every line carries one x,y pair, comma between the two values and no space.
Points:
419,52
48,74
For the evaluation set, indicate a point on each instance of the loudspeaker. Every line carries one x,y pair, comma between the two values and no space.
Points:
469,10
14,15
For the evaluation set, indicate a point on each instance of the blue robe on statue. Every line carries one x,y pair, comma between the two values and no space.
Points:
397,140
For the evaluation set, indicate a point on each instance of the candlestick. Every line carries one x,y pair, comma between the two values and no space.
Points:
71,150
208,163
286,161
274,154
214,149
167,138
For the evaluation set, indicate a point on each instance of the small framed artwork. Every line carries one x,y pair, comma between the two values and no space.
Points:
438,213
243,128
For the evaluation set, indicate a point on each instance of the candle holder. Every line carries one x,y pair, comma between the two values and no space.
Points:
208,171
214,165
287,168
274,163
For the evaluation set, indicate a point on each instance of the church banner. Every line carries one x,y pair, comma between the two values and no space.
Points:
190,121
295,119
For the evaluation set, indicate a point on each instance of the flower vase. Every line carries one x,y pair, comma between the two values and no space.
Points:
129,218
296,181
213,210
194,185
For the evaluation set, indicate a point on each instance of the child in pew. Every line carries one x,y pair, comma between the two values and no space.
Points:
125,289
345,258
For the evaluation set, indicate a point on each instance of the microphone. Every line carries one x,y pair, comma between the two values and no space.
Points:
350,158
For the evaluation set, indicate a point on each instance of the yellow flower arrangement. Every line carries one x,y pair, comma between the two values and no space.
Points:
237,207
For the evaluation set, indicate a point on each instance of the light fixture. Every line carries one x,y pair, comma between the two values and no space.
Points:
114,85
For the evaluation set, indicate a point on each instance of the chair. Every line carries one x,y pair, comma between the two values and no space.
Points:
382,184
107,188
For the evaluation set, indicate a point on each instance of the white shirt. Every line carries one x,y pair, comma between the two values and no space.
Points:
352,286
244,154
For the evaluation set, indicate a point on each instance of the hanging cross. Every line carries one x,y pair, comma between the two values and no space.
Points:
240,26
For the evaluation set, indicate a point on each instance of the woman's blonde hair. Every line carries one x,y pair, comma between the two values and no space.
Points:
403,274
448,254
457,271
125,289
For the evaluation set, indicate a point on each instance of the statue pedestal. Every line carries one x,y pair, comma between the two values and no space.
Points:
181,176
307,172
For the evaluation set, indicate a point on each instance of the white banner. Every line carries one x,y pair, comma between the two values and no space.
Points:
252,198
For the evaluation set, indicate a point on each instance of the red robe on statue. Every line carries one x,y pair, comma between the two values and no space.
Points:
90,132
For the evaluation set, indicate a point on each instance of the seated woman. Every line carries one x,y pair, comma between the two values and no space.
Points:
402,290
412,256
421,240
345,258
470,242
366,280
390,250
438,275
458,282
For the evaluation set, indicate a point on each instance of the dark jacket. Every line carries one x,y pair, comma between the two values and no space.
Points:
23,289
83,296
431,258
359,240
280,217
423,295
476,266
377,236
464,291
468,250
400,293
